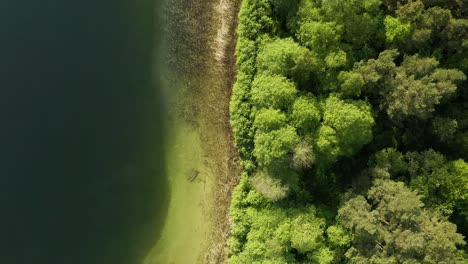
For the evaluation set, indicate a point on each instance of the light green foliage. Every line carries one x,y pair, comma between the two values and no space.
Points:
305,114
327,144
261,245
272,91
240,110
240,224
308,11
275,146
245,55
287,58
256,18
351,83
339,236
271,188
316,80
444,128
443,184
319,36
269,119
395,29
391,226
336,59
351,122
275,233
303,156
304,231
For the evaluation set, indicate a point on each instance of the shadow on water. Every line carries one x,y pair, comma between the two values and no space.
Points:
81,165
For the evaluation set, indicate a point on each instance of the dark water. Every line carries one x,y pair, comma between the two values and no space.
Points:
81,177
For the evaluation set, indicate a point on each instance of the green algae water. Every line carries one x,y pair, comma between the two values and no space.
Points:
186,227
81,169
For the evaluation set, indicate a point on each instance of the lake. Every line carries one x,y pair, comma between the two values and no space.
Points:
82,175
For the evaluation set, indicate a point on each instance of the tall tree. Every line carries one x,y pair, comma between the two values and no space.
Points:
289,59
272,91
390,225
413,88
346,128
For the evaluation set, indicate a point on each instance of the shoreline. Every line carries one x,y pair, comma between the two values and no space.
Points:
223,51
200,136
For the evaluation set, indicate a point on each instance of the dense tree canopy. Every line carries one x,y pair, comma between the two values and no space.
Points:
272,91
390,225
346,127
286,58
352,125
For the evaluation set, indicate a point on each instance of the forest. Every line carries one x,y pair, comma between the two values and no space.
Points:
351,119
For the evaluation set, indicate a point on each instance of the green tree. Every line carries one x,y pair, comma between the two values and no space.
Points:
361,22
388,162
412,89
444,128
272,188
273,91
303,156
257,19
418,87
287,58
390,225
279,235
273,148
444,184
351,83
269,119
377,72
305,114
395,29
319,36
346,127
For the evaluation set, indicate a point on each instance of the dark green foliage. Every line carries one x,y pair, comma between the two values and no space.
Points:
444,128
390,225
388,162
335,99
412,89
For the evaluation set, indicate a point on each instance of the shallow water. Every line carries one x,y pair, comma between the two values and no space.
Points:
187,225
